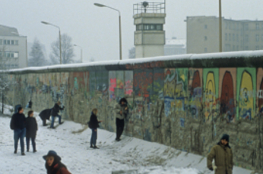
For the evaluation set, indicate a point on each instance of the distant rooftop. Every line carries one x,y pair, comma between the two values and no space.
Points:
175,41
8,31
149,7
215,17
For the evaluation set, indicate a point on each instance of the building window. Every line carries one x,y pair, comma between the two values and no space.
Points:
4,42
257,26
16,42
225,36
246,48
233,36
257,37
12,42
8,42
205,26
229,36
257,47
246,38
205,37
234,47
237,48
1,41
205,50
237,39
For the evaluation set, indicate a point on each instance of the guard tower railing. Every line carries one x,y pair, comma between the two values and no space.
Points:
152,7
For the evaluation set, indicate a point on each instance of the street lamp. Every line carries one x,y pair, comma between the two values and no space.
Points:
47,23
80,52
220,27
120,39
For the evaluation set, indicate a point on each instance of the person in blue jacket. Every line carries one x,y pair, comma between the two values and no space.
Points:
93,125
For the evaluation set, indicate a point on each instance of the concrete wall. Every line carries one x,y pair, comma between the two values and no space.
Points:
181,103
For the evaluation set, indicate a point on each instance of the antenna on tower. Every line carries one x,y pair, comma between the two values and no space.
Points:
145,5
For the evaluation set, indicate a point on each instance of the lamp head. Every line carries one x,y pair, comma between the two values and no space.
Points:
99,5
43,22
145,4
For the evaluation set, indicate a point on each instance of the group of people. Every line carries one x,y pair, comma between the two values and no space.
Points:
121,110
22,126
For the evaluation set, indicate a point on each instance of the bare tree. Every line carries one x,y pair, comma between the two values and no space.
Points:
6,58
67,50
91,59
36,55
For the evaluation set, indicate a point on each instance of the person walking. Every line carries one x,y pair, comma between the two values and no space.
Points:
222,154
31,130
54,165
93,125
121,110
54,113
18,124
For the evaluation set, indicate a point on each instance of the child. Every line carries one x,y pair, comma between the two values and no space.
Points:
53,164
94,124
31,130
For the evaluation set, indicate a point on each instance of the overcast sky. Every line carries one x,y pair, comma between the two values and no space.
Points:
96,29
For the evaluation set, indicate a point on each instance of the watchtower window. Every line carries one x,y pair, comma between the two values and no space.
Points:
145,27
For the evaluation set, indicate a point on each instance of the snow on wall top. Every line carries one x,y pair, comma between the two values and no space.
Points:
239,54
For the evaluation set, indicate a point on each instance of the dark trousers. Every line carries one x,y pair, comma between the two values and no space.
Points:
119,127
19,134
33,138
44,122
93,138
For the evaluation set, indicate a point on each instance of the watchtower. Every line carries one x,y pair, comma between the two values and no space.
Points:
149,37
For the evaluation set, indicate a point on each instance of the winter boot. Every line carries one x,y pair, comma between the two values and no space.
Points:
23,154
35,151
95,147
15,151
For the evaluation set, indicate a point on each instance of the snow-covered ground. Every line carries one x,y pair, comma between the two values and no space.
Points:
128,154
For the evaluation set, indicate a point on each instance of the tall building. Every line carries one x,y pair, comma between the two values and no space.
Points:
175,46
13,48
237,35
149,37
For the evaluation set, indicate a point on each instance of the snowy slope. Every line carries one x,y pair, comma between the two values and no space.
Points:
128,154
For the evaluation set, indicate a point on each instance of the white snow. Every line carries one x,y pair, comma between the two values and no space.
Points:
237,54
128,154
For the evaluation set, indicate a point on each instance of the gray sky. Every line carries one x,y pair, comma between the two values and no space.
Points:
96,29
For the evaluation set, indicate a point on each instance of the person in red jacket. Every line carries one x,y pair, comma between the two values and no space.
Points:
54,165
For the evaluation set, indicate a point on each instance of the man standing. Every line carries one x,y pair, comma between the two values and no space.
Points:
121,112
222,154
54,113
18,124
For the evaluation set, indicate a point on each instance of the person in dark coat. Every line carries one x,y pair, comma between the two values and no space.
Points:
18,124
45,115
121,111
93,125
54,113
54,165
31,130
223,156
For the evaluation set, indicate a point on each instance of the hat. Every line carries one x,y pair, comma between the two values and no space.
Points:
225,137
52,153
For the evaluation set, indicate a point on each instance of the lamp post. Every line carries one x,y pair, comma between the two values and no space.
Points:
80,52
47,23
220,27
120,39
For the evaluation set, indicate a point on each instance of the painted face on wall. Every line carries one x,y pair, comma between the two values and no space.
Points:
210,92
246,96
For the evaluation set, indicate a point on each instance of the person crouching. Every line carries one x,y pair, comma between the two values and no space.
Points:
93,125
54,165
